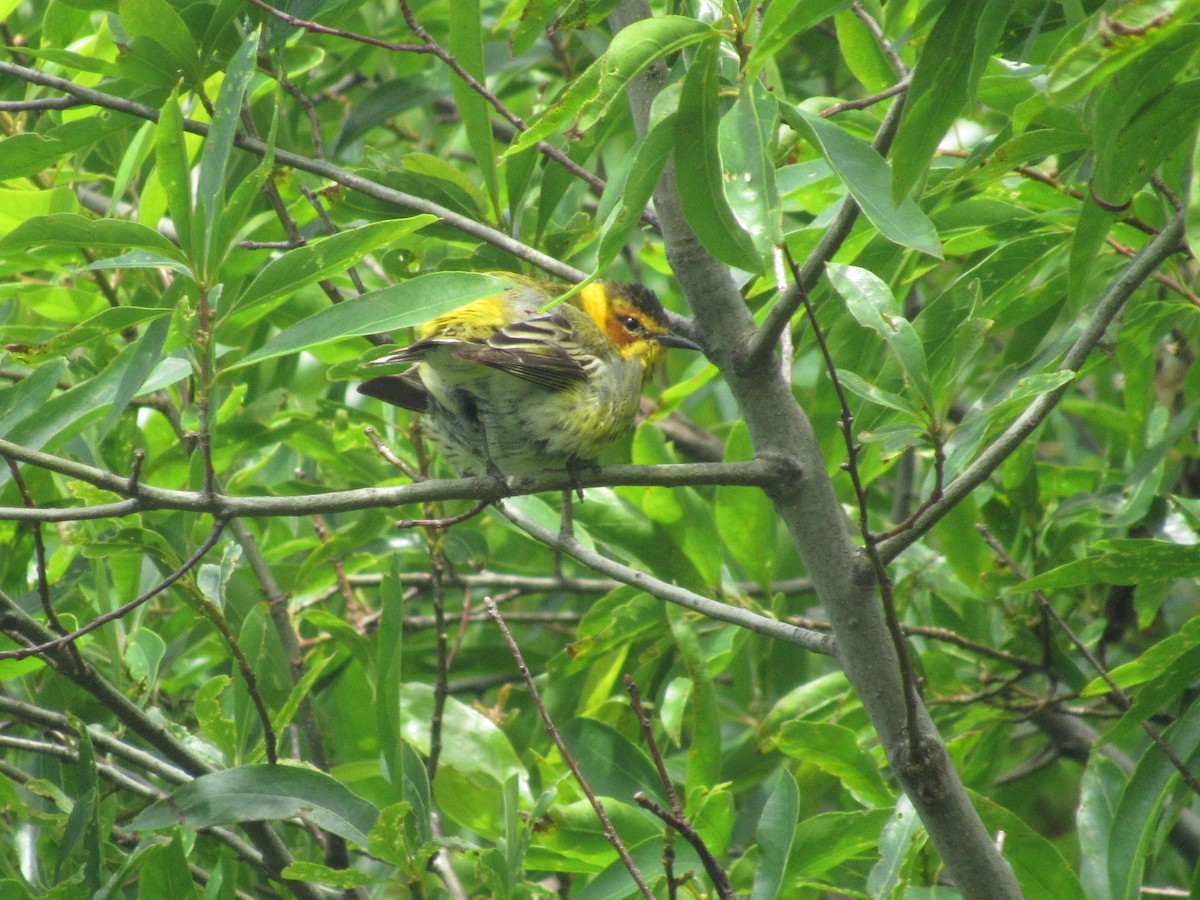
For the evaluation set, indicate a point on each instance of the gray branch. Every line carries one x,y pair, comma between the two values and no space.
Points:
142,497
673,593
841,573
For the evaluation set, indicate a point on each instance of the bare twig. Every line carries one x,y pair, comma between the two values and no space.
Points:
481,487
668,855
884,580
716,874
723,612
998,450
446,521
39,549
69,638
766,338
321,168
609,832
884,44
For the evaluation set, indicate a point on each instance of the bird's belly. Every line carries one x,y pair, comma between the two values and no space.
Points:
526,427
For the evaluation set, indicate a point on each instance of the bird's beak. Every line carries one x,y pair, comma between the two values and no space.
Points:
674,340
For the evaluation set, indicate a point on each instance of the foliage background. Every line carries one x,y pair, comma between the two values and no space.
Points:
179,314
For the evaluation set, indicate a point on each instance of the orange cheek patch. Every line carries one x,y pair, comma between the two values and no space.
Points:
618,333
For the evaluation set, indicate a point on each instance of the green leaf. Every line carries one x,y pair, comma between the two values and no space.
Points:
235,214
144,654
698,170
895,845
587,100
344,879
262,792
28,153
783,20
322,258
745,517
952,62
872,393
58,415
210,185
867,177
704,721
217,728
745,136
399,306
170,153
138,259
282,717
871,303
532,17
158,20
29,395
145,358
611,764
18,206
1178,661
1130,154
1120,562
776,831
834,749
1119,38
648,163
466,43
862,54
111,321
75,232
1151,663
83,825
1137,818
1087,242
1099,793
471,742
827,840
164,872
1037,863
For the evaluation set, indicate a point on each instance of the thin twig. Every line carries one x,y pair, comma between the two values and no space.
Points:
441,680
321,168
846,421
671,593
668,854
39,549
866,102
447,521
69,638
753,473
716,874
388,454
609,831
999,449
431,47
635,699
884,44
764,341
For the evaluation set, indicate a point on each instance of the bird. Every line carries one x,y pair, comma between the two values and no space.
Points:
503,388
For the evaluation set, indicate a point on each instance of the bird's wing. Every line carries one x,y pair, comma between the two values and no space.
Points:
536,350
406,391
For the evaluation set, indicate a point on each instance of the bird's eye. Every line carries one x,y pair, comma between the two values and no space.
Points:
631,324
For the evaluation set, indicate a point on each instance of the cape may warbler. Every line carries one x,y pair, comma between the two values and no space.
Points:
504,388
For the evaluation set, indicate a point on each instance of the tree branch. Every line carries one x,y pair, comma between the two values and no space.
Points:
808,505
671,593
998,450
316,167
143,497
